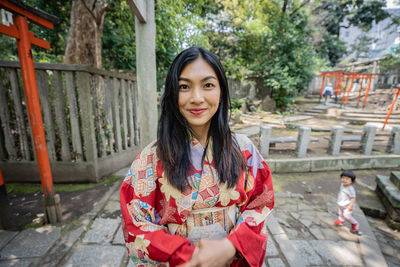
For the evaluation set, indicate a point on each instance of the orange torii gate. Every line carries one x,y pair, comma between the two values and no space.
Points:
395,97
360,76
338,80
338,77
20,31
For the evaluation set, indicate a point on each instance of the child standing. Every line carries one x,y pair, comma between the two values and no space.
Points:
346,200
328,92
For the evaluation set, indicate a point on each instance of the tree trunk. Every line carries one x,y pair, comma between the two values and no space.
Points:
85,33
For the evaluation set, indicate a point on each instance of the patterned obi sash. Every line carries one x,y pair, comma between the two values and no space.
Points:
210,223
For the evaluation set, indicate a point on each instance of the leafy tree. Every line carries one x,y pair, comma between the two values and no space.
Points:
119,46
177,26
361,47
278,44
56,37
392,62
270,42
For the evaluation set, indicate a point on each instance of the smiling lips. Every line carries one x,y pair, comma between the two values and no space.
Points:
197,111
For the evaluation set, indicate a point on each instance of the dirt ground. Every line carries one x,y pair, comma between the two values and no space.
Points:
26,207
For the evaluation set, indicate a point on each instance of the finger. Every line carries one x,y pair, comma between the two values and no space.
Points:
200,243
192,263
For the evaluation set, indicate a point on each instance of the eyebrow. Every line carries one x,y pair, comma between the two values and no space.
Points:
204,79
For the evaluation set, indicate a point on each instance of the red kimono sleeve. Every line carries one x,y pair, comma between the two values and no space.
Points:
249,235
147,241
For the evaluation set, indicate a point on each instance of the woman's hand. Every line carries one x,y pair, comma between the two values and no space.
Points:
212,253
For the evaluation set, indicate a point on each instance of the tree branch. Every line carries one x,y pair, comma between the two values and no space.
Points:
101,13
94,4
89,10
299,7
285,3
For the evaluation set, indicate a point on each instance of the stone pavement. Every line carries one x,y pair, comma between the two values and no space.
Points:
300,234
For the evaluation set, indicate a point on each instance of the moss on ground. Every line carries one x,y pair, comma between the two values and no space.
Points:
31,188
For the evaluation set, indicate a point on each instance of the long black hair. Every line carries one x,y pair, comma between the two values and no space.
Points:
174,132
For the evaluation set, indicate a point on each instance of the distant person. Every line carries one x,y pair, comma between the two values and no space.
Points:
328,92
199,194
346,201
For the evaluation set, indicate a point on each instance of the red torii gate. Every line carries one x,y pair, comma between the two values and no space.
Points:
20,31
396,95
359,76
339,76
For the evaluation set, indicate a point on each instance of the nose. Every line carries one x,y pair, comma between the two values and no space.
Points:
196,96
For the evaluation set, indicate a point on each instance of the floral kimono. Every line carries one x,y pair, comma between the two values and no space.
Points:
161,224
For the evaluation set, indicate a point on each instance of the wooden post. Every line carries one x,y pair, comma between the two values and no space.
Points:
25,39
374,70
35,114
343,90
391,106
146,69
359,92
323,83
339,87
86,113
348,90
368,87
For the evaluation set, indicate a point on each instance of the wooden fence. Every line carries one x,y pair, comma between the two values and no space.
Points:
89,117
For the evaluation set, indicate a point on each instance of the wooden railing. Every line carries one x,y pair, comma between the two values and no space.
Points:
89,117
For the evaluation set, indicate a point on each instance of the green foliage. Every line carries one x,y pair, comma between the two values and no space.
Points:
361,46
364,13
119,46
236,103
278,44
179,25
331,48
56,37
8,48
391,62
272,47
34,188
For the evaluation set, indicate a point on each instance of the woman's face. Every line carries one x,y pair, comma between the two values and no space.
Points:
199,94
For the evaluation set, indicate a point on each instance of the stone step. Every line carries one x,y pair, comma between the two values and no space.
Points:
395,178
353,119
389,189
297,118
249,131
369,115
306,113
306,101
359,111
313,111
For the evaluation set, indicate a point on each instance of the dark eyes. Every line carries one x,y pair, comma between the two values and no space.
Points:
186,87
183,87
209,85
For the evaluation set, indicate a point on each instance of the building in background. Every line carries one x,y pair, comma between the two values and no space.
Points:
380,40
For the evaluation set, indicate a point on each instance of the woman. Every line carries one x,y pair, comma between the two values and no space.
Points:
198,195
